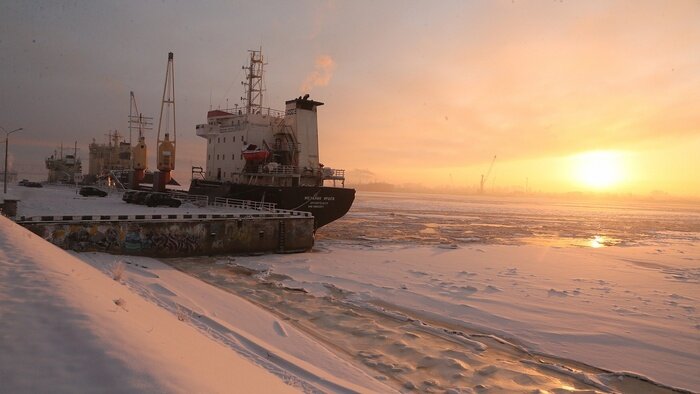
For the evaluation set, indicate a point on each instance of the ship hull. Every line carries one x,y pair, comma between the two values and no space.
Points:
326,204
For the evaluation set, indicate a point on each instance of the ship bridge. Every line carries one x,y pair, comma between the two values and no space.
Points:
235,119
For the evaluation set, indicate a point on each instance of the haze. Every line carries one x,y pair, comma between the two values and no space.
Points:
570,96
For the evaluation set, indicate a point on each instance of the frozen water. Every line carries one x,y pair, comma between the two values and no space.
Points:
378,218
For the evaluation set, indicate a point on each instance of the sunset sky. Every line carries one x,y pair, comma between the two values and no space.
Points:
570,95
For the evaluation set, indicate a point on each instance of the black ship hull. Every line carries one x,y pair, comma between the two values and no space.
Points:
326,204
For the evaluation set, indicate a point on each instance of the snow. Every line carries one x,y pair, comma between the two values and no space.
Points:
381,299
614,308
242,326
59,200
68,327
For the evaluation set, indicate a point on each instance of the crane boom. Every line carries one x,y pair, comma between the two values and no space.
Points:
166,146
485,178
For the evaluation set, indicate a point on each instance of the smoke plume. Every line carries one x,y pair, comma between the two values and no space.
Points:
321,75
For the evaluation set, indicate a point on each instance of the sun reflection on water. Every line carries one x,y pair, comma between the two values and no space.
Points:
595,242
598,241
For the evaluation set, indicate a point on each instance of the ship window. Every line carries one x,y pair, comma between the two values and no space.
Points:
217,157
224,139
218,140
234,138
233,156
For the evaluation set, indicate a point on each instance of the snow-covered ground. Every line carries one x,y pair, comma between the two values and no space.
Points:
417,293
622,309
612,284
68,327
65,200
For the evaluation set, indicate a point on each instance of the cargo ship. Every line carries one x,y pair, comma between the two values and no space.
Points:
261,154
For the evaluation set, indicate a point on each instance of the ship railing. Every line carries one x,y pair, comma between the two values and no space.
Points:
276,170
284,170
332,173
266,111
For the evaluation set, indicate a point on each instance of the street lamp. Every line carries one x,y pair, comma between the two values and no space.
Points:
7,139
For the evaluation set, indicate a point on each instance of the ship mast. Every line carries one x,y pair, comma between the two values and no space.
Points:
137,120
132,107
254,82
139,155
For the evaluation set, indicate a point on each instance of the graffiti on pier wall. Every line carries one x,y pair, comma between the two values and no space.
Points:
176,242
181,238
83,237
125,237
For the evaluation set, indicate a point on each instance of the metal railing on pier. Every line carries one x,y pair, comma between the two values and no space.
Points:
243,204
256,205
198,200
155,217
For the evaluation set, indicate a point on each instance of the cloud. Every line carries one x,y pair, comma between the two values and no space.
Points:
321,75
360,175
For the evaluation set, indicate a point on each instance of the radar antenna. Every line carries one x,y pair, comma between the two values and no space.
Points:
137,120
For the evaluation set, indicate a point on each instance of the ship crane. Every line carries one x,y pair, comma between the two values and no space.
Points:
485,178
166,146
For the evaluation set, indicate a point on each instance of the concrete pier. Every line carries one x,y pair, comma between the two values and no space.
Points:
93,224
178,236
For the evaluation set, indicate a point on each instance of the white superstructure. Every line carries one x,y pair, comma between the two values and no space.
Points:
262,146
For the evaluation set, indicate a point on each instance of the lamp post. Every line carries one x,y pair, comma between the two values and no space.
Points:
7,139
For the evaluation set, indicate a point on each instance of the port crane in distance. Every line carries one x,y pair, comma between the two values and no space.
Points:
485,178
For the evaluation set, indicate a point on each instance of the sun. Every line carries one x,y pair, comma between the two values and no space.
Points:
598,169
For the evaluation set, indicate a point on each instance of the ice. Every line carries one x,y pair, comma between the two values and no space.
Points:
553,297
591,305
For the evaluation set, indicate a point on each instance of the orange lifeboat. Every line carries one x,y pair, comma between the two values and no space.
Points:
255,154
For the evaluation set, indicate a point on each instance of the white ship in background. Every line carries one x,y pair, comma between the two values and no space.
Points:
262,154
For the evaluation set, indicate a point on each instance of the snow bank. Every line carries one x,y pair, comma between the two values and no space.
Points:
66,327
245,328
